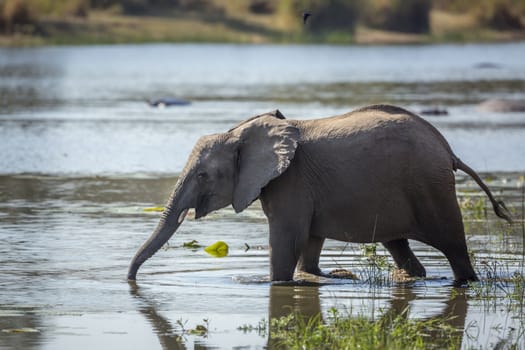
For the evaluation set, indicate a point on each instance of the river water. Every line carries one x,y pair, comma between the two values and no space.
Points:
82,155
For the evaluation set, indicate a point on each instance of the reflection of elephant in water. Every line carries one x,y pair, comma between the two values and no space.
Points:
169,337
302,300
455,310
378,174
305,301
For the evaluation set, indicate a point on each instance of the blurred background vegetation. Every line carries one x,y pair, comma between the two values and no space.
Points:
334,21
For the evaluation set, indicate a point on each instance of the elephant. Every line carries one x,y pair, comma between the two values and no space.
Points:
376,174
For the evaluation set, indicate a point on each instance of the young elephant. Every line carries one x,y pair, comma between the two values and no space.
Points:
377,174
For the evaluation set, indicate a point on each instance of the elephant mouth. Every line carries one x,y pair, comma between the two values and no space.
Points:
201,209
182,216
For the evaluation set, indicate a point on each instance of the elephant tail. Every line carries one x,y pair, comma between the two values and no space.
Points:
499,207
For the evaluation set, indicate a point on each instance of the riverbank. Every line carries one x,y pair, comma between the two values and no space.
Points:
102,27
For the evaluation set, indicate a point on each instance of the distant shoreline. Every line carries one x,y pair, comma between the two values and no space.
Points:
102,28
379,38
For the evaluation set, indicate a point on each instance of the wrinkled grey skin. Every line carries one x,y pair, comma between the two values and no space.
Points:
377,174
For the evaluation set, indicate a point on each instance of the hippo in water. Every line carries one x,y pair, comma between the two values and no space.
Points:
434,111
168,101
502,106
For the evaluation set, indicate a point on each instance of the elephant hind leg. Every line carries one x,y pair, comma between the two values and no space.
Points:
443,230
457,254
405,258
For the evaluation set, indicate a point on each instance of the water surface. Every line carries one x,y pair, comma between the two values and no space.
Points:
82,155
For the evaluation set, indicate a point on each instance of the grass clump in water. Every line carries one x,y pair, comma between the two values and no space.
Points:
378,271
345,332
499,285
473,208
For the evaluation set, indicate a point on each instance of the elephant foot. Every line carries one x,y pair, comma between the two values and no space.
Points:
403,276
414,269
464,282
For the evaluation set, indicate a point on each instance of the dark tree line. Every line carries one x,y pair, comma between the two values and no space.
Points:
142,6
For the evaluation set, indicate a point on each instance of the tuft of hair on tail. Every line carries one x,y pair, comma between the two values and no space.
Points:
500,209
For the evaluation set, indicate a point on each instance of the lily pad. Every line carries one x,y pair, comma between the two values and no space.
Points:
218,249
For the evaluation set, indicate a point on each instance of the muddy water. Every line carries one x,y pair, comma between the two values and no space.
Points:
82,155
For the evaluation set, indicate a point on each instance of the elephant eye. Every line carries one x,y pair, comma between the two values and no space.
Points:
202,175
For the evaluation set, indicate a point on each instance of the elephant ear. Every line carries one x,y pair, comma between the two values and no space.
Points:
267,144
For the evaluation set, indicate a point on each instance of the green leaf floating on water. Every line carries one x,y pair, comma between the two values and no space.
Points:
150,209
218,249
193,244
199,330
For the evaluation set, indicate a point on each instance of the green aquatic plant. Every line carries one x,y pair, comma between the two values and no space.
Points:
346,332
518,293
492,287
499,285
260,328
201,330
521,185
370,249
473,209
193,244
377,268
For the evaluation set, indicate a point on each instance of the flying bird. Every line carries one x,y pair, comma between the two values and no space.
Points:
305,16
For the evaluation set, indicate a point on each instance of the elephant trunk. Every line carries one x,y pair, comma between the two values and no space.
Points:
172,217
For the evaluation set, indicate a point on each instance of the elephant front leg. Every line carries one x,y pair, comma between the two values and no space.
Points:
309,260
405,258
285,250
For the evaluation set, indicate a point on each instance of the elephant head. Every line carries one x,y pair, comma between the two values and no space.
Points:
223,169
